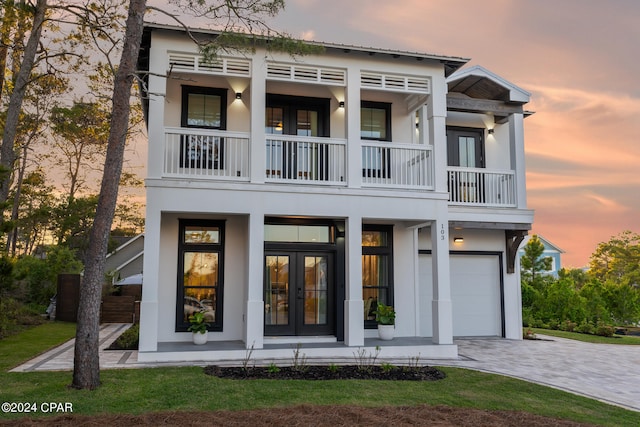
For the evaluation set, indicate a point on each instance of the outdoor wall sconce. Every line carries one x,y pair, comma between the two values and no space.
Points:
238,95
458,239
490,131
341,104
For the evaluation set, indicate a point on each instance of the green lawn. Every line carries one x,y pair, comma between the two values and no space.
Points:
616,339
136,391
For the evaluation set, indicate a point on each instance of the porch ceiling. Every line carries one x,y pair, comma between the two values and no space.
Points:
480,87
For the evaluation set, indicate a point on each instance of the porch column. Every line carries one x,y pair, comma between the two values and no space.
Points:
157,100
254,310
352,111
516,138
437,116
353,304
257,138
442,313
151,263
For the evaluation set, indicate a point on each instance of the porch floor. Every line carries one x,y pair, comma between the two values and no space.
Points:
232,352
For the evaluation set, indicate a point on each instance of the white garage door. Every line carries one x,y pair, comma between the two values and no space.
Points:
475,295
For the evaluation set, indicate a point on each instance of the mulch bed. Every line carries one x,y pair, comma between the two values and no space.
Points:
333,372
311,415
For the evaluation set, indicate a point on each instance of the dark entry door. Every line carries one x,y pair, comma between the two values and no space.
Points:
465,149
299,293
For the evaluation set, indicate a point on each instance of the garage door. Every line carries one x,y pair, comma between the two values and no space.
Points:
475,294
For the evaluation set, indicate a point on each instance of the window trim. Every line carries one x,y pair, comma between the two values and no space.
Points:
202,151
218,248
453,154
380,250
386,106
202,90
381,153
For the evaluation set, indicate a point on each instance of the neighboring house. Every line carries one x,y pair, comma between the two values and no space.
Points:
288,195
550,250
126,260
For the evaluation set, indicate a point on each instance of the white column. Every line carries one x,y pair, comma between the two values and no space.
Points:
423,126
149,304
353,304
157,98
516,138
352,112
254,310
437,116
441,305
257,141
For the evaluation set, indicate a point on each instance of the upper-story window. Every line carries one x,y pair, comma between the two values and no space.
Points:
375,124
203,107
375,121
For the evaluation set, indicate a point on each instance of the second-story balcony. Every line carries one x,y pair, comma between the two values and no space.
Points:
295,160
481,187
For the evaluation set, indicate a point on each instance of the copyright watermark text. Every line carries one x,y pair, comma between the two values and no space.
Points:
35,407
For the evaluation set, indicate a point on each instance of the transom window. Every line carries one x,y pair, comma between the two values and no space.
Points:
200,276
377,269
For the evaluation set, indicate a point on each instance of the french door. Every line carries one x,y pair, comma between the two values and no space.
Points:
299,293
465,149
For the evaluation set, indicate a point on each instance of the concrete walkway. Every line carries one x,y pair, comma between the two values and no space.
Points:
610,373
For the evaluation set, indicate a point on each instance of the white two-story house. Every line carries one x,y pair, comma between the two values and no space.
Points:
286,196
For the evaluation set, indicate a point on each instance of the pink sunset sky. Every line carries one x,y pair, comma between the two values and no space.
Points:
579,59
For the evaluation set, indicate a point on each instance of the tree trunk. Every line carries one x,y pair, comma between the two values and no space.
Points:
5,38
7,153
13,234
86,365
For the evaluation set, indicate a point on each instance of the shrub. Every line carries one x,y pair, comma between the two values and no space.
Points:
604,330
6,275
585,328
568,326
14,316
128,340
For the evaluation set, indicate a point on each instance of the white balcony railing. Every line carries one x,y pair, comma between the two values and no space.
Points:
481,187
223,155
299,159
200,153
397,165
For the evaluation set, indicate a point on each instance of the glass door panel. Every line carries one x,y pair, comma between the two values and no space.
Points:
315,290
277,287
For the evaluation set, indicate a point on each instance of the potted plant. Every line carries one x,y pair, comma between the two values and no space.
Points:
198,327
386,318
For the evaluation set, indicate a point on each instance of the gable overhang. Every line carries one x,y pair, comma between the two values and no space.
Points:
479,83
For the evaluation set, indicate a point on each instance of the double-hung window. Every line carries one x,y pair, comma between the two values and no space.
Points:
375,125
200,272
203,108
377,269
